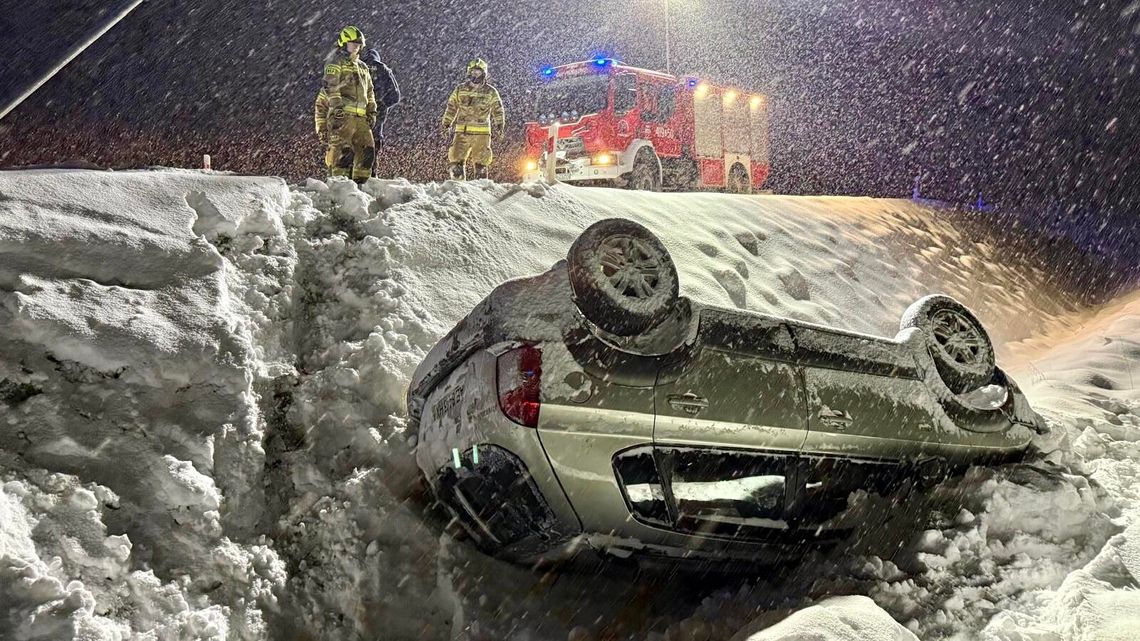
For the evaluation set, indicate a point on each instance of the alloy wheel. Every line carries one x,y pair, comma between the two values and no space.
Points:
630,266
957,336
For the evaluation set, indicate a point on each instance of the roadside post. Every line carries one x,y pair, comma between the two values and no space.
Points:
552,153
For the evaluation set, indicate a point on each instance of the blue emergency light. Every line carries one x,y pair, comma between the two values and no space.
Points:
548,71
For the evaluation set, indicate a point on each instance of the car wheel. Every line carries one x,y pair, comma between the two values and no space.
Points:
623,278
738,180
959,345
645,175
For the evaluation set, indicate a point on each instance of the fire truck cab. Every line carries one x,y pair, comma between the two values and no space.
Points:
612,124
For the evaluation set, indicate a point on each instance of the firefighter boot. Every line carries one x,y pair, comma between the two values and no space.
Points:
480,171
456,170
365,164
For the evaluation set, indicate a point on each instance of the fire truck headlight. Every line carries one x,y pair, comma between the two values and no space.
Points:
604,158
531,165
756,102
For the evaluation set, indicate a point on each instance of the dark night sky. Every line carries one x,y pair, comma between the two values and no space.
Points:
1034,103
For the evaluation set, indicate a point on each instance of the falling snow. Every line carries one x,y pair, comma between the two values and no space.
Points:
203,431
253,343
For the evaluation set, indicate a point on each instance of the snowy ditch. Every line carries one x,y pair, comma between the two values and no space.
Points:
202,432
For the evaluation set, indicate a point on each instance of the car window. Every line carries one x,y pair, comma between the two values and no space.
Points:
728,487
637,473
706,487
829,482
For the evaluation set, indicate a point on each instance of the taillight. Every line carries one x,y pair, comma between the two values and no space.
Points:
519,380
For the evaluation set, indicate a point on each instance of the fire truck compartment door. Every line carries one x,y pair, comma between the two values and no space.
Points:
707,119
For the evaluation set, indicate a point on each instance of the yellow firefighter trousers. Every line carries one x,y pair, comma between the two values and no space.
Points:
477,147
352,149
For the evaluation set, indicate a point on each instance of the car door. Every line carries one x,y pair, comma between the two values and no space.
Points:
865,396
627,116
658,105
597,402
868,414
729,424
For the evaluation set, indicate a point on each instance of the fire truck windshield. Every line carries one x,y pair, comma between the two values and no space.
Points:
584,95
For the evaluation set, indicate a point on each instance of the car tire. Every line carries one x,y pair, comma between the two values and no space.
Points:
956,340
645,175
624,280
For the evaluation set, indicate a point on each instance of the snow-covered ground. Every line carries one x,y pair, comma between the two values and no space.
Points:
202,431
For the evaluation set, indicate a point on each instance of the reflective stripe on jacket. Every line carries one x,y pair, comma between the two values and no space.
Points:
473,108
347,85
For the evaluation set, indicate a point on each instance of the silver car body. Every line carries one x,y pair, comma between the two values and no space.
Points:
821,395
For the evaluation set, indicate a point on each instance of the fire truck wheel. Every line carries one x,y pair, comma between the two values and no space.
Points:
738,180
645,175
623,278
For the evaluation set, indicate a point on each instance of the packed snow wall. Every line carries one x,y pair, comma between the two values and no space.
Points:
202,380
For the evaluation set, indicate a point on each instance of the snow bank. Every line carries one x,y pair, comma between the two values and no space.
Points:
847,618
201,392
132,451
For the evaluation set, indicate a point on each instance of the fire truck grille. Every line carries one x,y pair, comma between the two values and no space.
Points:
574,147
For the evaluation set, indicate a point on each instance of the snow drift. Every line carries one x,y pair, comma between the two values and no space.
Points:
202,429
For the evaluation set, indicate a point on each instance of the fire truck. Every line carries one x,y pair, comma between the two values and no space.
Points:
611,124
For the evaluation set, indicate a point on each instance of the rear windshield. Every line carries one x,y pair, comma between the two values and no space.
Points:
584,94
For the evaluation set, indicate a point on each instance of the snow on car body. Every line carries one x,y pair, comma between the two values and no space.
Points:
647,130
586,405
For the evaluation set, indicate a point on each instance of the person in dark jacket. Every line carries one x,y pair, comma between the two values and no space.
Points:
386,89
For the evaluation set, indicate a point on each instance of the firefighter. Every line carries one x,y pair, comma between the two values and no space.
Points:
346,110
473,109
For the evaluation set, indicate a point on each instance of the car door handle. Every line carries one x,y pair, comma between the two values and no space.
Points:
835,419
689,403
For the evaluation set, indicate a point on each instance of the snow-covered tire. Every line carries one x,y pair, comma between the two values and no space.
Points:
623,278
646,175
956,340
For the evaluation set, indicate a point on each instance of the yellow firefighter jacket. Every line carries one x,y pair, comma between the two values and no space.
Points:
474,108
347,85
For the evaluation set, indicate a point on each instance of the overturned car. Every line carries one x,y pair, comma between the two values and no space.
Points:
593,405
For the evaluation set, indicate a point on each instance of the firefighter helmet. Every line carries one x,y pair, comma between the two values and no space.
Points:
350,34
477,63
